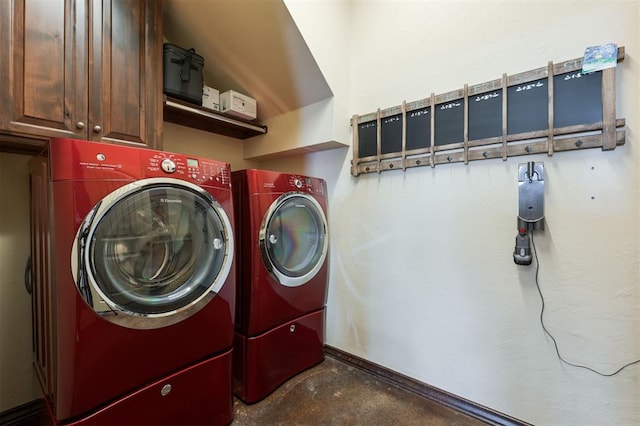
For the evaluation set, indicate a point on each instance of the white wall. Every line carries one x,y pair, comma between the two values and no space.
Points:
422,276
204,144
331,50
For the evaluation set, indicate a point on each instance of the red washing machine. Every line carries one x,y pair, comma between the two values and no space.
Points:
282,272
133,285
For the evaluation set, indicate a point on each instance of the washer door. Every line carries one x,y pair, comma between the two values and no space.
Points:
293,238
152,253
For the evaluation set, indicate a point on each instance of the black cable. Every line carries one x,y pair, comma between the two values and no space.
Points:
555,343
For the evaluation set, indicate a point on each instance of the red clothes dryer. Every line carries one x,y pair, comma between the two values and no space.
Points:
133,285
282,273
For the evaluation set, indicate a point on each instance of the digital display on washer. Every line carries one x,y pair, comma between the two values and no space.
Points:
191,162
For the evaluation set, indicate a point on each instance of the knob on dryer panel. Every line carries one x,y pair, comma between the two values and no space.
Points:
297,183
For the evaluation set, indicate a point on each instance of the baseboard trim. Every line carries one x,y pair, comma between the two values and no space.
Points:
25,414
432,393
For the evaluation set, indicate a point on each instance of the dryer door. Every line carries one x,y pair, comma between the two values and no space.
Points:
152,253
293,238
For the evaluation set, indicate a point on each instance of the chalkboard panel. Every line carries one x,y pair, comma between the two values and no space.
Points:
577,99
485,115
527,107
419,128
449,122
367,139
391,134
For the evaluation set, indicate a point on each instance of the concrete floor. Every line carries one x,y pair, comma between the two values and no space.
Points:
334,393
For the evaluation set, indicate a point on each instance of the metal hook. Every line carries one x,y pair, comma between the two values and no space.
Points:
531,171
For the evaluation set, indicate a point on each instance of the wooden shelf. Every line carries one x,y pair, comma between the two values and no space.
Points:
197,117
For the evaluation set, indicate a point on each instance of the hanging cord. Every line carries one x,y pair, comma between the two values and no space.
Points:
555,343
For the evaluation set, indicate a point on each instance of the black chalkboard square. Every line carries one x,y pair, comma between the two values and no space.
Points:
577,99
527,107
367,139
418,128
449,122
391,134
485,115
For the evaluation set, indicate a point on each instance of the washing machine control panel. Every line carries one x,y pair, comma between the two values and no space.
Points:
77,159
197,170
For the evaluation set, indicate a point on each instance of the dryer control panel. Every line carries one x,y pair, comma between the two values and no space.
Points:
270,182
306,184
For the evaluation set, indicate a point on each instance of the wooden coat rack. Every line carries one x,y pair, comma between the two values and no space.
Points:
548,109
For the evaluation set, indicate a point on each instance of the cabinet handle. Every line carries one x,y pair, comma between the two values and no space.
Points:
97,129
80,125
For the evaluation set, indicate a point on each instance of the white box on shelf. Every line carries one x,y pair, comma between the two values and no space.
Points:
211,98
234,103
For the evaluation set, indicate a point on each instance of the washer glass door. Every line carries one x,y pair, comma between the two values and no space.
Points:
293,239
153,253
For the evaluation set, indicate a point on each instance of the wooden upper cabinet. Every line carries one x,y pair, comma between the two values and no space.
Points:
125,71
87,69
44,62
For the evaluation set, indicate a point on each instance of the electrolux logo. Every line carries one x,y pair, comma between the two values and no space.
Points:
169,200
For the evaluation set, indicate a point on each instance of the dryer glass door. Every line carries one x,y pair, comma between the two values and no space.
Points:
154,249
293,239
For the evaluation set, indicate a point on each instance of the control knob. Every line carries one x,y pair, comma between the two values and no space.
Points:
297,183
168,166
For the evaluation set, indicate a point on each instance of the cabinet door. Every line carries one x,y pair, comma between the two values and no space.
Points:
125,72
43,68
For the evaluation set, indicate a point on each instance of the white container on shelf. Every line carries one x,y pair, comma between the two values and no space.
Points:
237,104
211,98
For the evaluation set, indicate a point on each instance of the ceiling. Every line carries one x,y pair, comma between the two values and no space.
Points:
251,46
